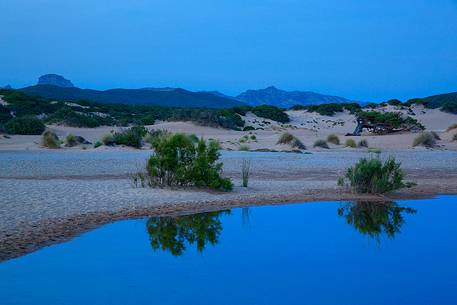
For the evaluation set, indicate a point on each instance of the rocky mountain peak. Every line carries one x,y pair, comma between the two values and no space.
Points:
55,80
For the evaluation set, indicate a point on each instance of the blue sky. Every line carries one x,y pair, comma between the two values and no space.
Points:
363,50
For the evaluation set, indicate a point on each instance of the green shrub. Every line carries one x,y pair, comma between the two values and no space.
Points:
450,106
179,161
389,121
108,139
26,125
50,140
363,143
153,135
332,108
5,115
321,143
374,176
350,143
453,126
253,138
68,117
248,128
333,138
98,144
394,102
426,139
130,137
271,112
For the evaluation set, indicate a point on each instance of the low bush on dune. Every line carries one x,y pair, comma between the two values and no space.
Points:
363,143
289,139
426,139
180,161
453,126
333,138
321,143
108,139
50,140
374,176
72,140
26,125
285,138
454,137
271,112
129,137
350,143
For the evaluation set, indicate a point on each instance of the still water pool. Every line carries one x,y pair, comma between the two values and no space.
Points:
402,252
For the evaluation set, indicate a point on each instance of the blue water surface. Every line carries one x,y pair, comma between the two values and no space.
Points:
310,253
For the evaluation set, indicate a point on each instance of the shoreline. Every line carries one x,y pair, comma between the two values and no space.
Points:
34,237
51,197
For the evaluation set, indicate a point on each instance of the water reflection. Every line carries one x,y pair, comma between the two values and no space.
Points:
375,218
174,233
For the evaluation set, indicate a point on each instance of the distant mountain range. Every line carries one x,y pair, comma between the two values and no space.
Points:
286,99
170,98
55,86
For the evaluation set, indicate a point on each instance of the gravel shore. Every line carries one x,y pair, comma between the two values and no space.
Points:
47,196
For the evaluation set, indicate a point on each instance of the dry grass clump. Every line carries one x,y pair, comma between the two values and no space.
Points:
363,143
350,143
426,139
453,126
321,143
50,140
333,138
290,139
286,138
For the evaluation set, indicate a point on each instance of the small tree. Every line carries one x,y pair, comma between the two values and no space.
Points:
180,161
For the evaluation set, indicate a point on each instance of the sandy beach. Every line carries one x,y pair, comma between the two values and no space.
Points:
51,195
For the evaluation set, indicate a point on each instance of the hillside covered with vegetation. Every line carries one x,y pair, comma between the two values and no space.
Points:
90,114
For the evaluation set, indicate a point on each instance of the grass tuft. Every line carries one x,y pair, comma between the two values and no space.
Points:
50,140
333,138
350,143
321,143
426,139
245,171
